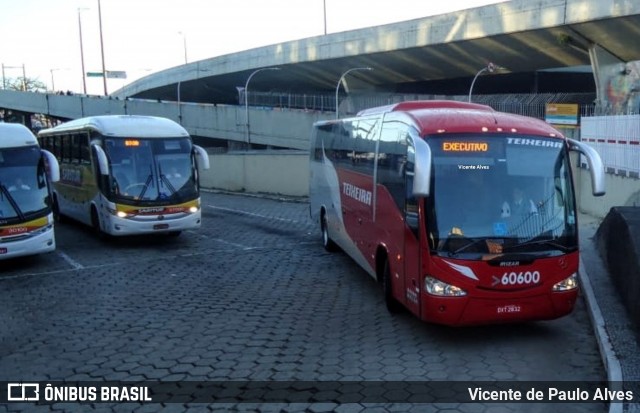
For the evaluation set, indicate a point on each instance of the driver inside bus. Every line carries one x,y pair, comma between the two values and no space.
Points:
519,205
120,182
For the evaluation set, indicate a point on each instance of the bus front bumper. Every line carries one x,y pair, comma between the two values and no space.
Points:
472,311
128,226
32,245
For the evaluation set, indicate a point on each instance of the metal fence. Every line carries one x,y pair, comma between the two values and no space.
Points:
617,140
523,104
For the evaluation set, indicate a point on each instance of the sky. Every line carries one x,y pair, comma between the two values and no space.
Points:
145,36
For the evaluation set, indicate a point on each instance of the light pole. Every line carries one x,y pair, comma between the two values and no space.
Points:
246,98
104,71
24,76
179,103
340,81
53,85
84,80
324,9
489,68
184,45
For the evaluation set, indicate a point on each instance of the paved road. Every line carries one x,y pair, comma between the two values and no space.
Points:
252,296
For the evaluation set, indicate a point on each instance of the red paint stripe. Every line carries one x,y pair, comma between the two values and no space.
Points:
611,141
634,143
601,140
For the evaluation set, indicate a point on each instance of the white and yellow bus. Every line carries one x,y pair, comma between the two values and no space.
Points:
26,220
126,175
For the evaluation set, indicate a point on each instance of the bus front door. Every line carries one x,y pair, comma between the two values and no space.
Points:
412,264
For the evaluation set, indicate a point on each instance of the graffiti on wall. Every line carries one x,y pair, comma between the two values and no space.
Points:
622,87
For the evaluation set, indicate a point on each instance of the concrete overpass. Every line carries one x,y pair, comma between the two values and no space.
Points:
422,55
432,55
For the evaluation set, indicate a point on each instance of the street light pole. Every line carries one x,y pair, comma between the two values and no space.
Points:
489,68
179,103
184,45
246,99
324,8
84,80
24,76
104,71
53,85
342,78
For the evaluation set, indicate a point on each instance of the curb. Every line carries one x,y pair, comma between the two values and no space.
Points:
607,353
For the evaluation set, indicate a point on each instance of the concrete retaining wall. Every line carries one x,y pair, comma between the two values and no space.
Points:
621,191
618,240
274,172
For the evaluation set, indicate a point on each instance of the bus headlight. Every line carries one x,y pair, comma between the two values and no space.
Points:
119,214
193,209
567,284
436,287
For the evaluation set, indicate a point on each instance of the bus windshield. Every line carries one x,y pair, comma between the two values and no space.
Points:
147,171
500,194
24,193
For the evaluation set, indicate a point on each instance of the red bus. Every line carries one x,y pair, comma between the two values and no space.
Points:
465,215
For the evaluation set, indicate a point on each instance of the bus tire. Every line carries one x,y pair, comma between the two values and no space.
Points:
327,242
393,306
95,224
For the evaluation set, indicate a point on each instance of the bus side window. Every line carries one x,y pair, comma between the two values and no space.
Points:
85,157
411,202
392,155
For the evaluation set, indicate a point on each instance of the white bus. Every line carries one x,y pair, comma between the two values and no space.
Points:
26,220
126,175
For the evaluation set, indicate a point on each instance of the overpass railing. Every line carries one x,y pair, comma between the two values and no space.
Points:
523,104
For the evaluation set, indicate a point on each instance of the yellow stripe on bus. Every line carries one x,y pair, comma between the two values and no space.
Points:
24,227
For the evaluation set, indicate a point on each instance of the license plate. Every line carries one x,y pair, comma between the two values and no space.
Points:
509,309
161,226
3,250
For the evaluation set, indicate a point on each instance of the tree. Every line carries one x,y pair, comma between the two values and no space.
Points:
25,84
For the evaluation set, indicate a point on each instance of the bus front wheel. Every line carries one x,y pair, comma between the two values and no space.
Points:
95,223
393,306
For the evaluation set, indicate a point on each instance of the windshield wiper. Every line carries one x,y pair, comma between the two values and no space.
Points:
549,242
472,243
146,183
12,202
165,180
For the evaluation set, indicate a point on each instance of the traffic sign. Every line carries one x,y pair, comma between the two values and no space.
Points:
116,74
94,74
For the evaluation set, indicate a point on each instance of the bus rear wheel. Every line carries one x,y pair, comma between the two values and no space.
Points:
393,306
327,242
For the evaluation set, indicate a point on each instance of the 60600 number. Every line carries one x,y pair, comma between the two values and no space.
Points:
518,278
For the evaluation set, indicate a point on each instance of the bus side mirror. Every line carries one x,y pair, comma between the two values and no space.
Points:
103,163
596,168
204,156
53,166
422,168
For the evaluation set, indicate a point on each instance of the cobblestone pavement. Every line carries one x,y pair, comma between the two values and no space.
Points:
253,296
